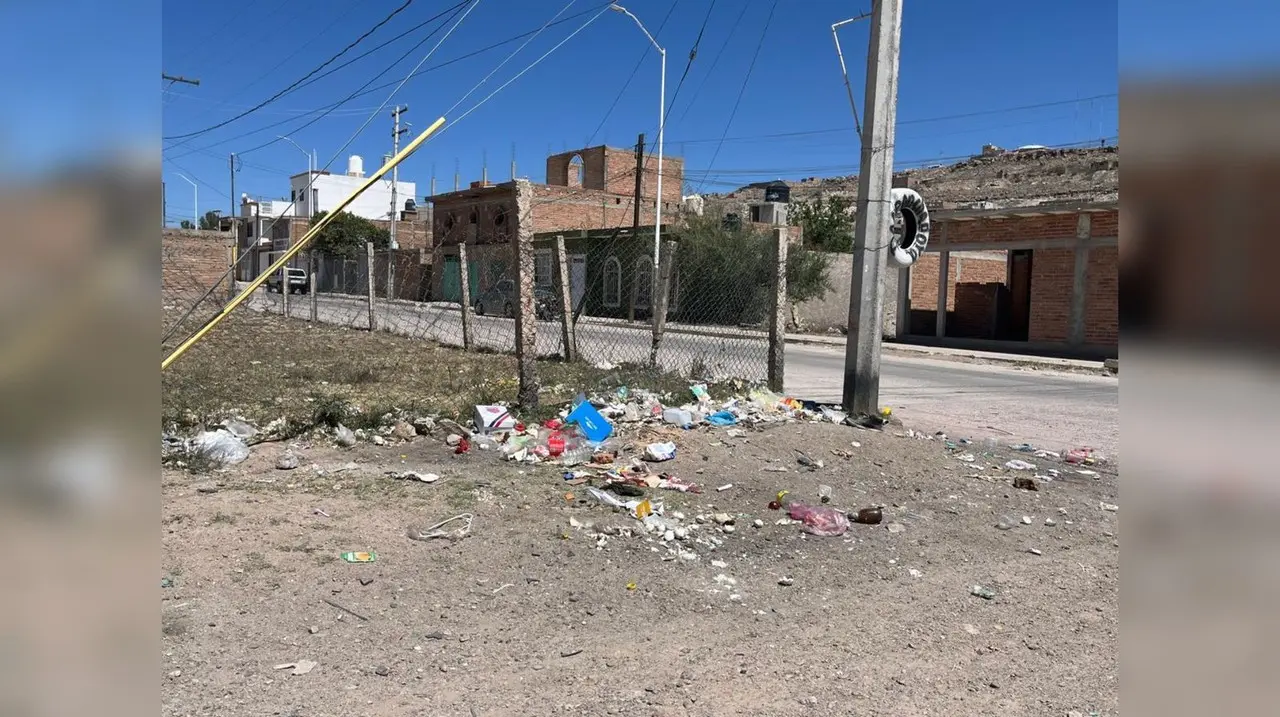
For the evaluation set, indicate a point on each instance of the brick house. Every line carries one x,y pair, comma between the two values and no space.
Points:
1041,278
585,190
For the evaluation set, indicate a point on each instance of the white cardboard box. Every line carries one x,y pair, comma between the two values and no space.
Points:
493,418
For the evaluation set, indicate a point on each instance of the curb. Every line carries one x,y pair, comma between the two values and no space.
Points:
1110,367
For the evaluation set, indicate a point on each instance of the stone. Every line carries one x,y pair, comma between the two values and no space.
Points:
1026,520
1050,522
287,462
313,629
895,527
727,528
344,436
404,431
758,523
915,573
424,424
1109,507
379,441
723,518
1034,551
382,671
786,582
452,440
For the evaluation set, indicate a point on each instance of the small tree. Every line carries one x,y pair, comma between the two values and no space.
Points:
209,221
185,224
828,223
346,235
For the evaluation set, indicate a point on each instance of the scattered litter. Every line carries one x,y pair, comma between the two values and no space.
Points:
491,418
631,586
1020,465
571,653
359,557
821,521
1081,456
1034,551
806,461
1086,472
1109,507
344,436
221,445
867,516
984,593
287,462
414,475
786,582
452,440
895,527
824,494
658,452
775,469
700,392
724,487
436,531
677,417
736,433
345,609
915,573
301,667
321,512
594,426
463,446
722,418
502,587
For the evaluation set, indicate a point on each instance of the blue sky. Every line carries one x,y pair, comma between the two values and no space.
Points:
963,61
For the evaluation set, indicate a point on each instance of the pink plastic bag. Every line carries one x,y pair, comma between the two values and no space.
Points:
819,520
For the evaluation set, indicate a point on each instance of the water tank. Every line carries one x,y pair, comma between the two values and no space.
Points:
410,205
777,192
355,166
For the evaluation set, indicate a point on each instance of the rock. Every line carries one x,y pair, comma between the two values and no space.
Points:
758,523
1050,522
379,441
1034,551
984,593
722,518
403,431
1109,507
313,629
1025,483
1026,520
895,527
669,535
207,488
287,462
176,673
915,573
344,436
382,671
452,440
727,528
681,533
786,582
424,424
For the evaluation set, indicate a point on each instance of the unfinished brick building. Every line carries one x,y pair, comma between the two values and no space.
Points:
585,189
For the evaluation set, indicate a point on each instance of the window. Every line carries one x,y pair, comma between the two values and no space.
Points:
612,282
293,196
542,268
755,214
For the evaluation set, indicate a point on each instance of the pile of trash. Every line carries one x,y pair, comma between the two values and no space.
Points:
1079,459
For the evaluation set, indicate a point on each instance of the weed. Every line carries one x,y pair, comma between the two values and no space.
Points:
221,517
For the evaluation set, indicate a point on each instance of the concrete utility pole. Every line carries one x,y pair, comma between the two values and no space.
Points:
635,221
395,210
875,212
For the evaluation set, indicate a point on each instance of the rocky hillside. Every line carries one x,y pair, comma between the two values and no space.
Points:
995,179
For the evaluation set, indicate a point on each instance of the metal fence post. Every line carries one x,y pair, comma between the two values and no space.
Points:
314,263
567,338
464,282
368,274
231,277
526,318
778,313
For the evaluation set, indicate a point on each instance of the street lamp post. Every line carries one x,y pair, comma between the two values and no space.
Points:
310,173
195,191
654,303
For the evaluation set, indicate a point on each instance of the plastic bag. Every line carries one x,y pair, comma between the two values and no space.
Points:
722,418
220,445
660,451
819,520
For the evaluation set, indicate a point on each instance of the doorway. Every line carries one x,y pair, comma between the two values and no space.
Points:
577,279
1019,294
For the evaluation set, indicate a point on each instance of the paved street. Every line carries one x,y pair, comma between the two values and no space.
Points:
1044,408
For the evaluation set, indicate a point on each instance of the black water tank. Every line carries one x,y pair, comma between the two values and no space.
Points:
410,205
778,192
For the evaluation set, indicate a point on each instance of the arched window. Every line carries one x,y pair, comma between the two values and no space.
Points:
612,282
573,176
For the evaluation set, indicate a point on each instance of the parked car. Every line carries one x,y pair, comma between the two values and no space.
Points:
297,281
500,299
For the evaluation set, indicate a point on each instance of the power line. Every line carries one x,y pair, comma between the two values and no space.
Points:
277,95
622,90
720,53
741,91
693,52
296,52
417,73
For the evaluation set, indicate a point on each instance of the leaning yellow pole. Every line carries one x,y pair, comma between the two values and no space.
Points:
306,238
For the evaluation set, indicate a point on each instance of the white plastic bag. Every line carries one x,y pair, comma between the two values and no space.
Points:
220,445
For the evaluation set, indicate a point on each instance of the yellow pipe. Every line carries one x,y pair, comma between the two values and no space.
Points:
306,238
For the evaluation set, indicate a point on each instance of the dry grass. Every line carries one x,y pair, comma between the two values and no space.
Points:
264,368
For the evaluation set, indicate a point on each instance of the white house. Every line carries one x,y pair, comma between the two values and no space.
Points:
328,190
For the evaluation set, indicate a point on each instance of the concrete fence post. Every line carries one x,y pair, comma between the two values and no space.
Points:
313,263
526,317
368,275
567,338
464,282
286,287
659,298
232,255
778,312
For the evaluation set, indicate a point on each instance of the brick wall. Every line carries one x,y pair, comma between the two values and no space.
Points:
1053,226
562,208
192,261
612,170
975,311
974,269
1102,297
1052,280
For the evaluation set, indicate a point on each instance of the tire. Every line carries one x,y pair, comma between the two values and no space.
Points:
911,236
479,308
508,311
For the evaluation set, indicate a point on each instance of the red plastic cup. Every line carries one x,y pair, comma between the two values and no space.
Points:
555,444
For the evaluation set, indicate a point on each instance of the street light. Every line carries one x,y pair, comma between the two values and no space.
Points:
310,173
195,212
662,123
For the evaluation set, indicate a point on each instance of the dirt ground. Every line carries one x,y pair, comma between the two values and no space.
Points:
529,615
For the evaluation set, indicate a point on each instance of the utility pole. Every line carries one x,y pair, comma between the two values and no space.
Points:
875,212
635,220
395,209
175,78
513,161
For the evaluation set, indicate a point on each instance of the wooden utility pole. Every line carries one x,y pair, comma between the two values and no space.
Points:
175,78
635,222
871,240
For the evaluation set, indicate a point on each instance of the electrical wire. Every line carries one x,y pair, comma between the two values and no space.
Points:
375,88
741,91
281,93
693,52
746,4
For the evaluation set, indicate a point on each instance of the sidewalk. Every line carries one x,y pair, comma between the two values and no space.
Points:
966,355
